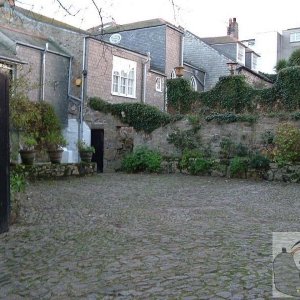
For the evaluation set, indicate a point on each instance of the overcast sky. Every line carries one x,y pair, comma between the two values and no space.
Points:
204,18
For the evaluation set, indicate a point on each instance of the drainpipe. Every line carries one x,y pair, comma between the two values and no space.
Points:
145,77
44,73
182,48
83,91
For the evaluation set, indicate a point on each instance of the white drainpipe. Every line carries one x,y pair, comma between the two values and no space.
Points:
145,77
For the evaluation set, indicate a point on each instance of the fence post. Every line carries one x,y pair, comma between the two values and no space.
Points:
4,154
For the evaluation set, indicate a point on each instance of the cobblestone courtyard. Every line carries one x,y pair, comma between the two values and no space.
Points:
117,236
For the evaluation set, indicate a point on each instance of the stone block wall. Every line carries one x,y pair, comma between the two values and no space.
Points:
56,171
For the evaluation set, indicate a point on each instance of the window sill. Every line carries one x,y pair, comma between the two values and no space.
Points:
124,96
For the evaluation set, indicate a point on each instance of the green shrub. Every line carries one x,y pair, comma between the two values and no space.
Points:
228,148
241,150
142,160
267,137
281,64
238,166
259,162
194,162
287,143
17,182
294,59
186,139
200,166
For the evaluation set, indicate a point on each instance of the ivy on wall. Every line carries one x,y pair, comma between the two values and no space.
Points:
180,95
139,116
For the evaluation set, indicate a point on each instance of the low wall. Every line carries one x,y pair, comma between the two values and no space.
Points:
55,171
288,173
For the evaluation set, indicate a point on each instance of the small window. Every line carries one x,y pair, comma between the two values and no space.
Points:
295,37
194,83
158,84
173,74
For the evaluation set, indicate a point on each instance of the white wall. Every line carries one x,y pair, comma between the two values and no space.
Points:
70,154
266,45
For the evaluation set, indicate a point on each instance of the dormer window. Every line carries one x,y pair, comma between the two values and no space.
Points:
240,54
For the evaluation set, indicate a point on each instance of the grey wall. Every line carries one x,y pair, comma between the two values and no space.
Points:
248,60
145,40
287,48
199,54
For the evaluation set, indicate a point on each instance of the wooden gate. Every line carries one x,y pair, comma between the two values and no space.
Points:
4,155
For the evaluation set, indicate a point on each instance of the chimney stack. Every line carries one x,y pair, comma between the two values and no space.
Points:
233,28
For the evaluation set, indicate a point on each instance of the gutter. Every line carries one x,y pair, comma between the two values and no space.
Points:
42,49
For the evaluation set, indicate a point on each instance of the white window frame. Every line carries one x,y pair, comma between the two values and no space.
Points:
158,84
254,61
194,83
123,77
240,54
295,37
173,74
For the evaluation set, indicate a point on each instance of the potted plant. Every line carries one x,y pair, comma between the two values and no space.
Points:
55,143
85,151
27,151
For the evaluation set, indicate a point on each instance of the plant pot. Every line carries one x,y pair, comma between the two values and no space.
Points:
27,156
55,156
86,156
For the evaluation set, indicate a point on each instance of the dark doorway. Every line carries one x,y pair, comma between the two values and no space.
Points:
4,154
97,140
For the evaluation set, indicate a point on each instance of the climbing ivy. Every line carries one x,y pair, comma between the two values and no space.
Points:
139,116
180,95
231,93
287,87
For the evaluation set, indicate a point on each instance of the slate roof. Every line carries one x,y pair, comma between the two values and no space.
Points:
41,18
30,39
139,25
220,40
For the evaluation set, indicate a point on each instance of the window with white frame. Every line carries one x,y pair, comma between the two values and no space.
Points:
173,74
158,84
254,62
194,83
295,37
123,77
240,54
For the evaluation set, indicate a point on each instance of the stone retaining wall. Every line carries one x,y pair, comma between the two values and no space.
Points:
288,173
56,171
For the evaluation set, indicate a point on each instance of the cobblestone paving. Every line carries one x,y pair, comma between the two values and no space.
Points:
117,236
